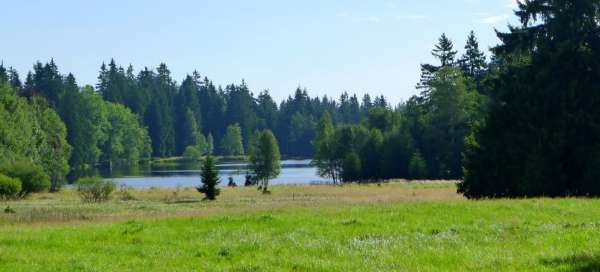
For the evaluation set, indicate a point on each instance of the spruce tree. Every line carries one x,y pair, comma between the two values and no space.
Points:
209,178
473,61
445,53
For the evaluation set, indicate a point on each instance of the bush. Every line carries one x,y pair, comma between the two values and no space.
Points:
33,178
94,189
9,187
192,153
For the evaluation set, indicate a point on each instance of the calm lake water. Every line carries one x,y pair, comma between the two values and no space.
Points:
188,174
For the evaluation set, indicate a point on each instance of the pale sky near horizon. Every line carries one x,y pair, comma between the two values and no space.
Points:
325,46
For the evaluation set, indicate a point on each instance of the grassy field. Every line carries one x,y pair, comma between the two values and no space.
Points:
392,227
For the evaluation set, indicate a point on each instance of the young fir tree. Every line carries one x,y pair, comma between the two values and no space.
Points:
210,179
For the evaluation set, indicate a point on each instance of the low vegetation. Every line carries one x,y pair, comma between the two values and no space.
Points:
9,187
394,227
94,189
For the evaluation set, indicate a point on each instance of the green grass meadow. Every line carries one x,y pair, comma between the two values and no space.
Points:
314,232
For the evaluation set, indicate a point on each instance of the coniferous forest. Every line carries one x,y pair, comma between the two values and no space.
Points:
520,120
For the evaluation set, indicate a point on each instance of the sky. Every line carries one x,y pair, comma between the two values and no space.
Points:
325,46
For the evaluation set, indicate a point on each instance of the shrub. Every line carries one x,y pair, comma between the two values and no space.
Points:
33,178
192,153
94,189
9,187
125,193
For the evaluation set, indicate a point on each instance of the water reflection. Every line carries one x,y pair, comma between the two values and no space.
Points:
187,174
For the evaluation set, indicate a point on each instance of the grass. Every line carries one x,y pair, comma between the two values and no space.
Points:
392,227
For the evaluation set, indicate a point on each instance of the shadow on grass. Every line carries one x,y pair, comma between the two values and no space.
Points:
577,263
182,201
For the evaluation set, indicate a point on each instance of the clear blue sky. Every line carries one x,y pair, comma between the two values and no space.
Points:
327,46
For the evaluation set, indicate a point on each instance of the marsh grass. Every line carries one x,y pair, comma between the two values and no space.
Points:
392,227
66,206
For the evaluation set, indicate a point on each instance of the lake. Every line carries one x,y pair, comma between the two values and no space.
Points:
172,175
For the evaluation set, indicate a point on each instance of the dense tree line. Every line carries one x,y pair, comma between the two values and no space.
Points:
421,138
130,116
83,129
188,114
541,133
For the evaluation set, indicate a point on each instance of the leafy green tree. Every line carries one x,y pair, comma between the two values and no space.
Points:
192,153
210,179
126,141
31,131
265,159
231,144
54,150
327,165
351,168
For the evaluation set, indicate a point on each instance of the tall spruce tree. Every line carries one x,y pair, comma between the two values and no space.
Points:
473,61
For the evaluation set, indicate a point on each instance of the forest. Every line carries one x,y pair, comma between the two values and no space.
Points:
520,122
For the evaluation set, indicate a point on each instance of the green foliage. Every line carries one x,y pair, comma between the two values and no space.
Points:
327,165
9,187
33,178
352,168
94,189
209,178
32,131
417,167
126,141
265,159
451,108
231,144
55,153
541,135
192,153
210,145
